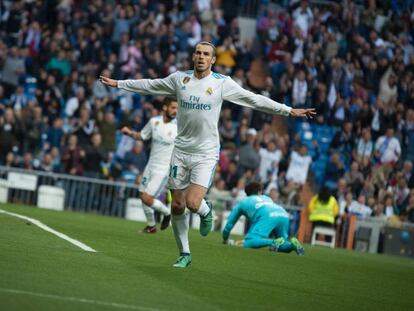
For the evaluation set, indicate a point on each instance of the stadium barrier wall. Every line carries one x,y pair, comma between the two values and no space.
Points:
111,198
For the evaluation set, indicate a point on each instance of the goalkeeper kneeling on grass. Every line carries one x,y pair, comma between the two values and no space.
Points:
264,216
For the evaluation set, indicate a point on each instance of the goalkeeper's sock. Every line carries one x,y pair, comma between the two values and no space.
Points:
285,247
149,214
180,226
204,209
160,207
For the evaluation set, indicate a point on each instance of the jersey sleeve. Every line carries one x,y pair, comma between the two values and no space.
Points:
236,94
231,221
146,132
165,86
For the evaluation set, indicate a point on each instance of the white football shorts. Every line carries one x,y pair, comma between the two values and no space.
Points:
154,180
186,169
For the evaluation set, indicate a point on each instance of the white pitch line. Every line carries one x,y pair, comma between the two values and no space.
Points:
76,299
48,229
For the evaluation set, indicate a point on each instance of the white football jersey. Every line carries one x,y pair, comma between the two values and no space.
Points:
163,136
199,105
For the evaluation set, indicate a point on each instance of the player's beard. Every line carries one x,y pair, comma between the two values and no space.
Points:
170,116
202,72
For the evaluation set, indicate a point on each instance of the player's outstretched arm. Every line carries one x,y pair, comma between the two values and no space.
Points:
238,95
165,86
306,113
128,132
109,82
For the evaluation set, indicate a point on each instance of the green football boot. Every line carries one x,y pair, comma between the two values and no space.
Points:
276,244
183,261
297,246
206,222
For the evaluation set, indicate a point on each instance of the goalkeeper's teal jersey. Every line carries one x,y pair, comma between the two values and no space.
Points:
199,105
255,208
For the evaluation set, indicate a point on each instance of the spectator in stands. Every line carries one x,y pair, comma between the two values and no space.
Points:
269,160
227,131
303,18
388,87
135,160
323,209
401,194
95,155
249,156
72,157
341,191
226,55
388,203
12,68
299,163
387,153
55,133
359,208
35,129
365,146
231,176
299,90
410,209
47,163
343,142
107,128
10,133
334,170
407,171
345,204
84,127
354,178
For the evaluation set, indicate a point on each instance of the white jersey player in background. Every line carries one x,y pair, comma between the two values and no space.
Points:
200,94
162,130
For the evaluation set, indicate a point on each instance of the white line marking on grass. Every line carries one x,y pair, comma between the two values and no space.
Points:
48,229
76,299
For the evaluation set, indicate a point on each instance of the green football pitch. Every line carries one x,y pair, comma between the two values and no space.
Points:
133,271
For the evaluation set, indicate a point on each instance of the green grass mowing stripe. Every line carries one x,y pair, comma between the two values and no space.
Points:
135,269
75,300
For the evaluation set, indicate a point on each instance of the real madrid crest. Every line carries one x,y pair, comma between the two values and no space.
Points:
186,80
157,122
209,91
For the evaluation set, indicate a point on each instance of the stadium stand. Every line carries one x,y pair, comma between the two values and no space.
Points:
351,60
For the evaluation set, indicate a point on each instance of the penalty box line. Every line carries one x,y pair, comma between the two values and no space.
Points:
76,299
50,230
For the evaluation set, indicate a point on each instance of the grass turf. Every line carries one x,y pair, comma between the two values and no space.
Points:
132,270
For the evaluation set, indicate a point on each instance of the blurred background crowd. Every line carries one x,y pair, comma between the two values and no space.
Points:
353,61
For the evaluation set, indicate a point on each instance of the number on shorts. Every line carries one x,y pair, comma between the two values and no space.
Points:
173,171
144,180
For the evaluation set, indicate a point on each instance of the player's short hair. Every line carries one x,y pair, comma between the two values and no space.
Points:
168,100
253,188
213,47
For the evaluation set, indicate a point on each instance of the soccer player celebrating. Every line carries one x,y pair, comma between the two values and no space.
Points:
162,130
264,217
200,94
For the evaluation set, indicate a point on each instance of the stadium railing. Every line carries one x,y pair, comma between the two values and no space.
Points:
81,193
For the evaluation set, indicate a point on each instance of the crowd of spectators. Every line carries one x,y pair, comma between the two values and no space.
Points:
353,62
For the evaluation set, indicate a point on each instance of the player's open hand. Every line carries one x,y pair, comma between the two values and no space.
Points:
307,113
126,131
108,81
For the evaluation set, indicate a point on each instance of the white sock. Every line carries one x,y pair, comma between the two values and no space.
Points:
180,226
204,208
149,213
160,207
